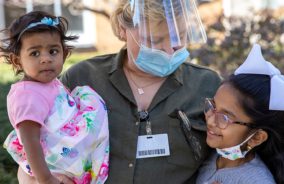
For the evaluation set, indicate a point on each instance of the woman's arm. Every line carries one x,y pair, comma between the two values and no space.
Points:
30,136
26,179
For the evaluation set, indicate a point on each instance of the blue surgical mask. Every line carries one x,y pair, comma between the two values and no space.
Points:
159,63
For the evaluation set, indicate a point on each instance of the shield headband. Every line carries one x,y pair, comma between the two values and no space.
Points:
167,23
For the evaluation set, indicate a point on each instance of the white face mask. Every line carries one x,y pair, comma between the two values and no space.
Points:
234,152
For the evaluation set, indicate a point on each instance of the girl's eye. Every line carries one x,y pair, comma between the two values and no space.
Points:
53,51
35,53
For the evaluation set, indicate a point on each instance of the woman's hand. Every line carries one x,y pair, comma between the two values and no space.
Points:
58,178
63,178
51,180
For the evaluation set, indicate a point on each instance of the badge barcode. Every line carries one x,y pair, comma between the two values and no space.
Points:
152,152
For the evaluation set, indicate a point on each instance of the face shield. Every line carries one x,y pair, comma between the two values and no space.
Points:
167,24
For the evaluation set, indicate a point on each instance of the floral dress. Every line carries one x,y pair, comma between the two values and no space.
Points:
74,133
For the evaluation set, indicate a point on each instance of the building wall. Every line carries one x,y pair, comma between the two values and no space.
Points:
107,42
245,8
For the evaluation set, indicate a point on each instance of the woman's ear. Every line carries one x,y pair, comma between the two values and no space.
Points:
15,61
259,137
122,33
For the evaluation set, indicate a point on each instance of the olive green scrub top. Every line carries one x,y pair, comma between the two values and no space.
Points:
184,90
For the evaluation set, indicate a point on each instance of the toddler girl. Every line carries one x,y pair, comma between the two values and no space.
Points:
55,131
245,124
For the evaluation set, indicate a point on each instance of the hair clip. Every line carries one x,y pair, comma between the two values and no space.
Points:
49,21
44,21
256,64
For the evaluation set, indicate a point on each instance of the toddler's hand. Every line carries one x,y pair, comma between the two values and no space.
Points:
63,179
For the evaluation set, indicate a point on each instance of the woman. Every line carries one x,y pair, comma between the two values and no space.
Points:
143,85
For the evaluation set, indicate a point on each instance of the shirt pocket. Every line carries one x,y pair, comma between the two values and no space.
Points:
181,153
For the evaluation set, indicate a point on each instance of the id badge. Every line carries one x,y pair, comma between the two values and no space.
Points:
152,146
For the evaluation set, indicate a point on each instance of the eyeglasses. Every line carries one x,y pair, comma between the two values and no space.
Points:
193,142
221,119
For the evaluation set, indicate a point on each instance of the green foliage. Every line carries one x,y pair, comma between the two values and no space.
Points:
6,73
7,177
8,167
230,40
76,57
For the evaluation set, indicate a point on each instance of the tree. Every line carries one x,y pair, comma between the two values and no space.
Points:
230,40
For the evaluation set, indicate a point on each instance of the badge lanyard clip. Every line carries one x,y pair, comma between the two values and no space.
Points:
148,128
144,116
150,145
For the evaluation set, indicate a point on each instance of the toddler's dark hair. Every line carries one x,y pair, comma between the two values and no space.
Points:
12,43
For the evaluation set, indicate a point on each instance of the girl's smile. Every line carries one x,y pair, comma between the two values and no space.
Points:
212,134
226,102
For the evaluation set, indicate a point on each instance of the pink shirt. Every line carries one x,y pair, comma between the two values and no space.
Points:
28,100
31,101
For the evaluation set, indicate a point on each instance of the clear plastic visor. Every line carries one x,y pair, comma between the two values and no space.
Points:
167,24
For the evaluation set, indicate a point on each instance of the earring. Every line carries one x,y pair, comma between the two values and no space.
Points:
121,36
249,147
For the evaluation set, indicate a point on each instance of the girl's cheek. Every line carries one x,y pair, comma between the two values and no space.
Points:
210,120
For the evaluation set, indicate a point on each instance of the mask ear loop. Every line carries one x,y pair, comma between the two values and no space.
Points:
134,39
130,53
248,146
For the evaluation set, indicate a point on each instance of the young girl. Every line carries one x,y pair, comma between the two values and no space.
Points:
55,131
245,123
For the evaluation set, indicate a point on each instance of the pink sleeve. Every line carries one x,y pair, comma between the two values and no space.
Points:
27,105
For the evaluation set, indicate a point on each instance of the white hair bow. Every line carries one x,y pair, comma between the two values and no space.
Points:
256,64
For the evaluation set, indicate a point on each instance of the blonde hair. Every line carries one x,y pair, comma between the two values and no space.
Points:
122,16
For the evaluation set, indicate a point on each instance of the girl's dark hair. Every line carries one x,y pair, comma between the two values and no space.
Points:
254,97
12,43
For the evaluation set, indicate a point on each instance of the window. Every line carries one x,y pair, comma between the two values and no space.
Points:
78,24
11,13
